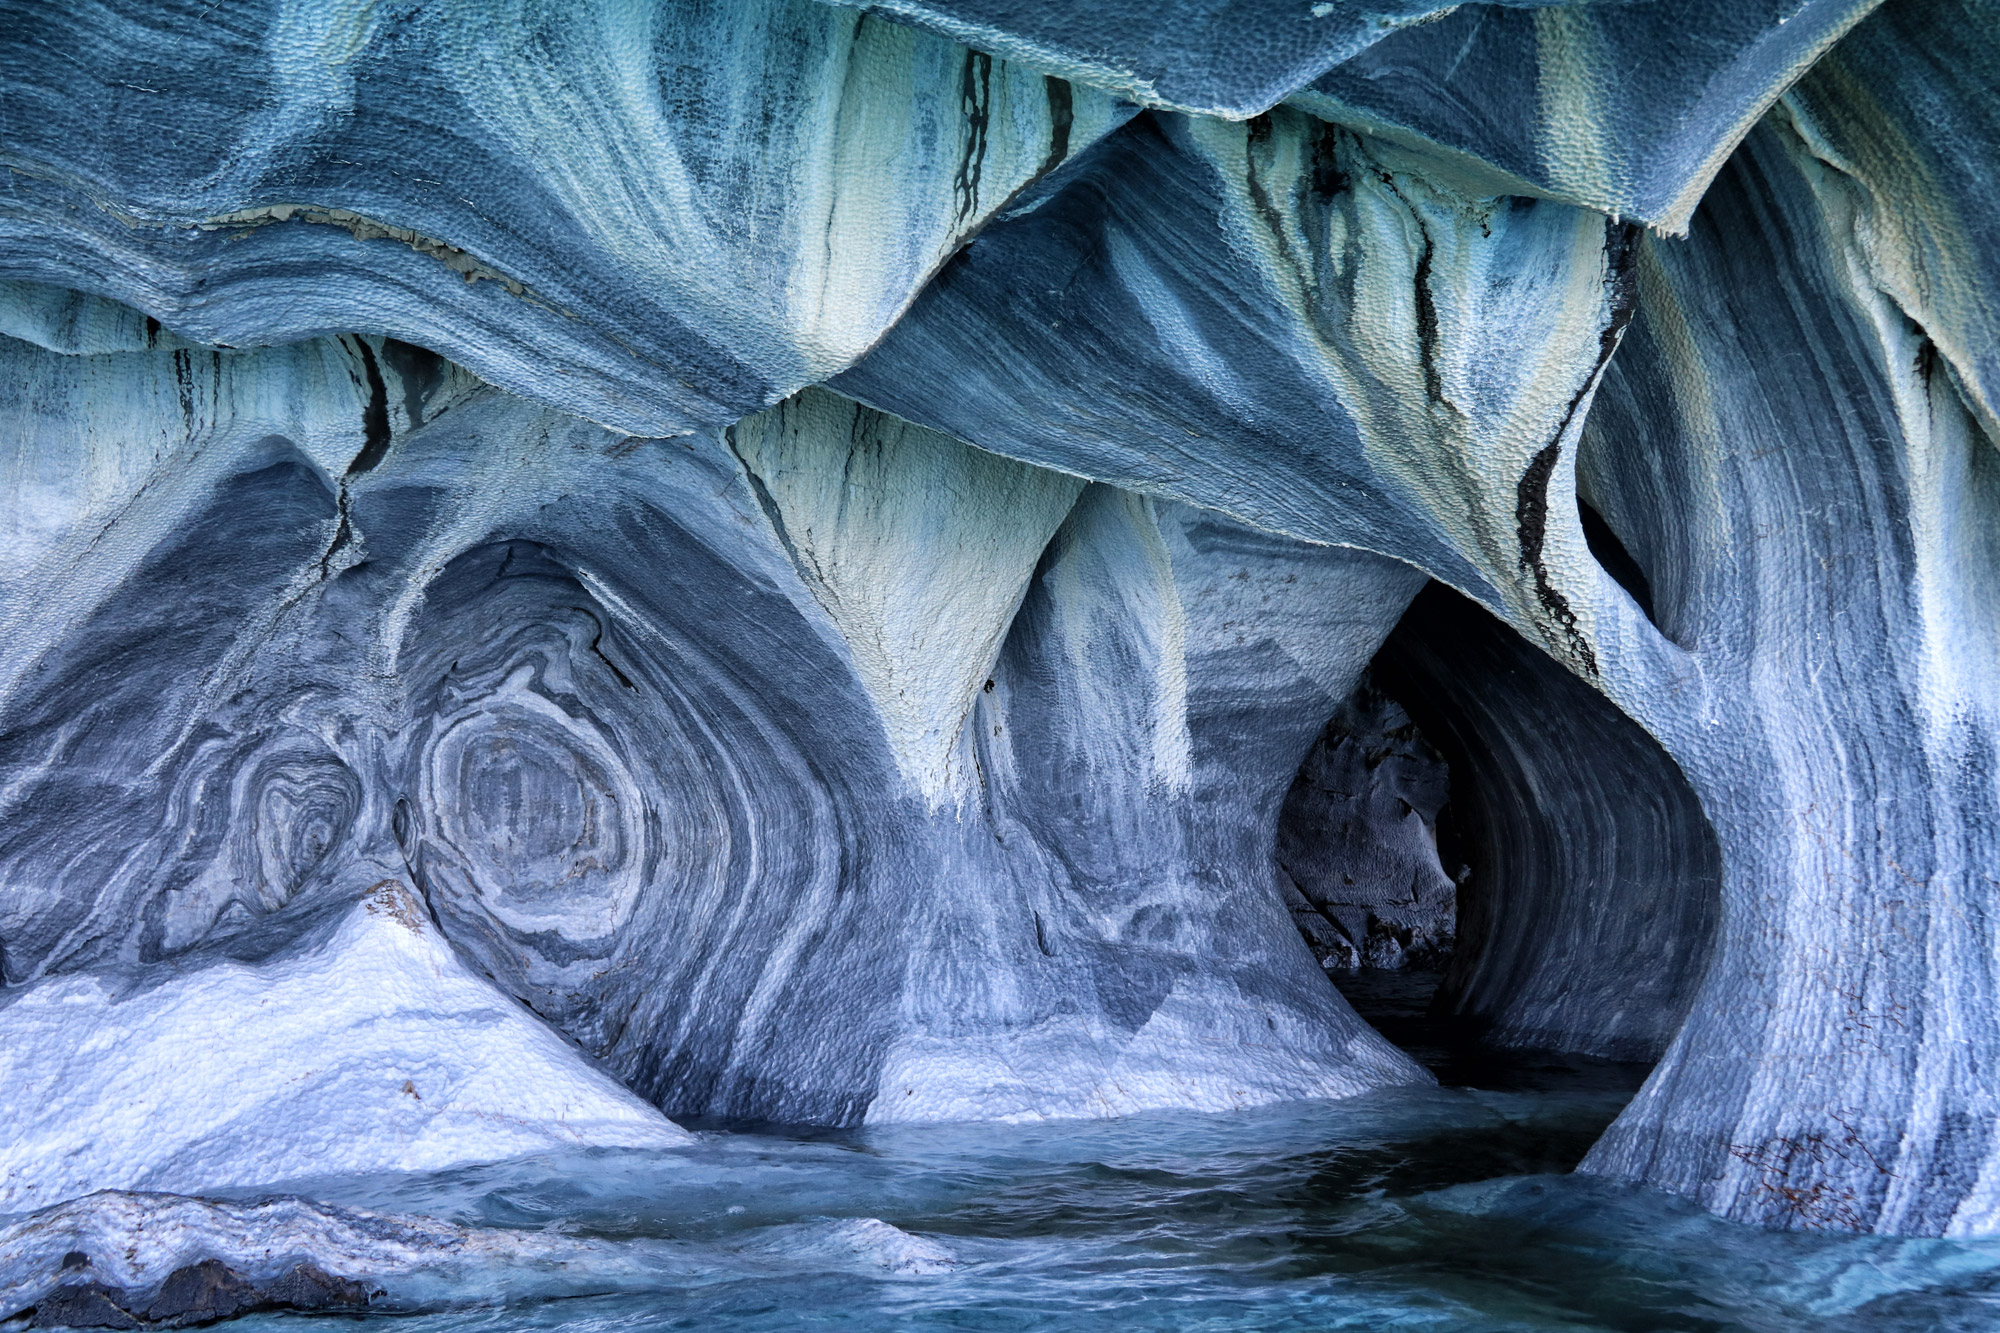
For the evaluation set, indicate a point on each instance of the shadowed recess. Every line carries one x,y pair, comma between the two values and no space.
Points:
1590,893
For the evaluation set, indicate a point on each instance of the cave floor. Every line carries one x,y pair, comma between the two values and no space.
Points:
1442,1208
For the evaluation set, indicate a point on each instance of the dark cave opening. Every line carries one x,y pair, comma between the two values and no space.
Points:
1500,870
1610,553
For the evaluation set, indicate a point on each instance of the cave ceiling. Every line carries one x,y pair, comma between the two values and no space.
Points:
572,567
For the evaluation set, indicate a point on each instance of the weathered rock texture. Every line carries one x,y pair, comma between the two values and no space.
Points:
1590,881
1357,841
779,560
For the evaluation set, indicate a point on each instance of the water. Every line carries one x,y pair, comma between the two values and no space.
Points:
1440,1209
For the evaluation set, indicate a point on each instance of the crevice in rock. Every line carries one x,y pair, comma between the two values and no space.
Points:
1610,553
375,433
1487,856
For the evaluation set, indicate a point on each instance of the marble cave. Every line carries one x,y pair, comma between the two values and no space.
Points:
1000,664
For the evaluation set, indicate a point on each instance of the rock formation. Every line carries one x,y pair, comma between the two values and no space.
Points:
1358,841
763,559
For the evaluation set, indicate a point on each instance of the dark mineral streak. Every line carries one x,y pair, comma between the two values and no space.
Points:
854,564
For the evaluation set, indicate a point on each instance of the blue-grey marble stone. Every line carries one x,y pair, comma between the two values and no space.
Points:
1626,107
1798,475
1235,58
566,565
1905,111
634,726
1358,840
657,218
1815,504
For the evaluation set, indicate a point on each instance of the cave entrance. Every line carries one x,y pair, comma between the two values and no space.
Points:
1492,862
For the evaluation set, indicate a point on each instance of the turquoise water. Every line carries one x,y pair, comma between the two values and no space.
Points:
1448,1208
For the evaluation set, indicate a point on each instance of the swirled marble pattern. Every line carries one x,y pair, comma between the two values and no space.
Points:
631,720
1196,388
804,550
1821,533
655,217
1135,952
1903,111
1529,91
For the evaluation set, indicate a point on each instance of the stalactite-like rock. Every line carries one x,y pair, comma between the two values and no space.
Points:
656,218
1695,666
919,548
637,722
779,560
1166,672
1311,332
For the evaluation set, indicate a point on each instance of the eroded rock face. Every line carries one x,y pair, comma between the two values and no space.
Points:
650,734
656,217
1846,743
1358,841
1524,91
1589,879
775,561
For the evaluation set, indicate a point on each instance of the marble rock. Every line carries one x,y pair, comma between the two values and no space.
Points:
1820,543
1358,841
1630,108
374,1049
656,217
1902,110
1234,59
137,1252
670,740
1796,470
1588,875
758,560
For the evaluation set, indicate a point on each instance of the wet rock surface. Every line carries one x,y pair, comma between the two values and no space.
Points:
778,561
198,1294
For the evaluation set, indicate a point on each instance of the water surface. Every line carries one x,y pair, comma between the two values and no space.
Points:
1446,1208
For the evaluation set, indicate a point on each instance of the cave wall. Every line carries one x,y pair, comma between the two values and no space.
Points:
416,493
1589,912
670,741
1795,686
655,217
1829,537
1358,840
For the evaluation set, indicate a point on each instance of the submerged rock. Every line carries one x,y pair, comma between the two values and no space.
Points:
779,560
118,1259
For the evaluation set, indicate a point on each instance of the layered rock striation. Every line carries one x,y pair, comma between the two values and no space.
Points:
778,561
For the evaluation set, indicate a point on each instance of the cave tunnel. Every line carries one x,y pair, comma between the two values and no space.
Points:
1492,862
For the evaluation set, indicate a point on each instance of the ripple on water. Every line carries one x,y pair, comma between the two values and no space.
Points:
1443,1208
